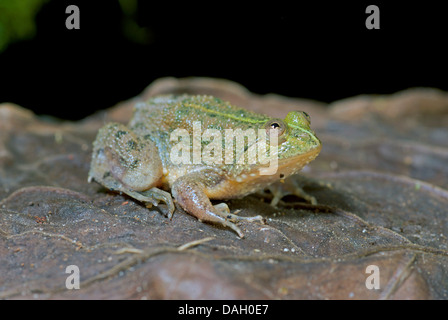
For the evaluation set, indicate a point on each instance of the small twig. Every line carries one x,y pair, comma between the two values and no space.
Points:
194,243
128,250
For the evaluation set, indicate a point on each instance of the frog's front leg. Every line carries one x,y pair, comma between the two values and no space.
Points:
293,186
191,193
124,162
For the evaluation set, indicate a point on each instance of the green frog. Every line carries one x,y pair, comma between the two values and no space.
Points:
200,148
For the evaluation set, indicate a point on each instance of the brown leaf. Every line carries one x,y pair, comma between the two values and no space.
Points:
380,183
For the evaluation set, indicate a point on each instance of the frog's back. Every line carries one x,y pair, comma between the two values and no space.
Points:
160,116
170,112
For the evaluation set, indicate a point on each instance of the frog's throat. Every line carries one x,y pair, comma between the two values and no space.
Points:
251,181
292,165
285,167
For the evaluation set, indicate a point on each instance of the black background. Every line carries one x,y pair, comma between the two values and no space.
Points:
316,50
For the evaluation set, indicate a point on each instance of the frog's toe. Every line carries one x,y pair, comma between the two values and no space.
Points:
299,192
235,218
309,198
278,192
225,213
234,227
155,195
222,208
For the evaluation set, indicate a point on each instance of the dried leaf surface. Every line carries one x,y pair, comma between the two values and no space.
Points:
381,185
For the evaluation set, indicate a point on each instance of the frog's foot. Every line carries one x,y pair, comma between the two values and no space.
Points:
299,192
280,190
154,196
277,194
224,210
224,217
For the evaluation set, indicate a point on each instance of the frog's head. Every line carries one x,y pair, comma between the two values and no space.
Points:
297,143
294,145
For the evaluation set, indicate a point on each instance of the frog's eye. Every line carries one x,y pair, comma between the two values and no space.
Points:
277,125
307,117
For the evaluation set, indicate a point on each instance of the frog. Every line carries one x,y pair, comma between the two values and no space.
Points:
137,159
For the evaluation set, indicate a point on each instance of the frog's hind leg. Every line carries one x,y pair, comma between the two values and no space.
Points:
124,162
190,192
